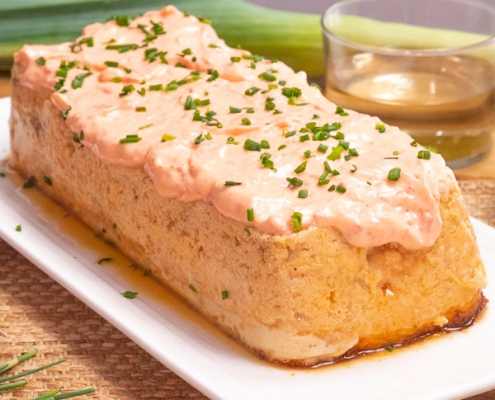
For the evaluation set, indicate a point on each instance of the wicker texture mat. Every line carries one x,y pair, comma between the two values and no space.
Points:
37,312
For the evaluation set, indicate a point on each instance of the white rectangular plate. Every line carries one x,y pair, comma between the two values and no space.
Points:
453,366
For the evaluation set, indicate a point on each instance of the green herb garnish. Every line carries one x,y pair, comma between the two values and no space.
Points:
166,137
301,167
296,220
129,295
424,155
130,139
296,182
394,174
380,128
303,194
251,91
41,61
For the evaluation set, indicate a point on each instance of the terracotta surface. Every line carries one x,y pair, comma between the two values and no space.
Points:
36,312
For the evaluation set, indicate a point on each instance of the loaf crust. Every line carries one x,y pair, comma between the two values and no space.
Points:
301,298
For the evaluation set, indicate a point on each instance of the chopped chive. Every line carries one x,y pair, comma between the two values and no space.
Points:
225,295
235,59
307,153
304,138
322,148
235,110
122,48
145,127
232,183
265,144
18,228
116,79
47,180
335,153
231,140
314,84
156,87
289,134
296,220
2,175
64,113
322,180
380,127
41,61
345,145
369,183
166,137
251,91
269,104
296,182
247,231
104,260
213,46
251,145
353,152
193,288
130,139
339,136
199,139
129,295
140,109
389,347
414,143
354,168
214,75
190,104
291,92
78,81
424,155
394,174
303,193
267,163
113,64
246,121
432,149
267,77
301,167
395,153
126,90
250,214
340,111
30,182
208,136
141,91
283,146
341,189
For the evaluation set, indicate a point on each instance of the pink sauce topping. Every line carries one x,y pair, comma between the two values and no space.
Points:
247,135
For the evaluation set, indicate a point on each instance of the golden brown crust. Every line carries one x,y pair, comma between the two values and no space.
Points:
300,299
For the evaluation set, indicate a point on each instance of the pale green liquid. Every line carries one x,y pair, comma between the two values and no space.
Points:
445,102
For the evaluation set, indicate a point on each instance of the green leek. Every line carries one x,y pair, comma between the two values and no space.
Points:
294,38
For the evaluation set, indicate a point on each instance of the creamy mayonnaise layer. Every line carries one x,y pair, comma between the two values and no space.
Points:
249,136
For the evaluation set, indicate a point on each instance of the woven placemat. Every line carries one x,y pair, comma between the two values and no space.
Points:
37,312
